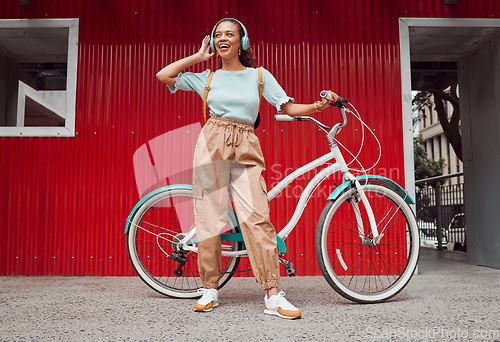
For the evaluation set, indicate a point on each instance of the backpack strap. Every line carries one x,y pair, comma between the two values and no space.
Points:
207,87
261,85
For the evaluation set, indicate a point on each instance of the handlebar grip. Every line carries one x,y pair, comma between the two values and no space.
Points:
326,95
283,117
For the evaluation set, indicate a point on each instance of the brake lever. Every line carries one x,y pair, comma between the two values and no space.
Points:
340,100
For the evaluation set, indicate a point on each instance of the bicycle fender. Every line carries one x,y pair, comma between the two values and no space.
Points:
389,183
153,193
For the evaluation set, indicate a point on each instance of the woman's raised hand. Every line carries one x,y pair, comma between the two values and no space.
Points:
168,74
205,52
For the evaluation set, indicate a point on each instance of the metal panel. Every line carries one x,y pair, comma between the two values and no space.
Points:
64,202
480,107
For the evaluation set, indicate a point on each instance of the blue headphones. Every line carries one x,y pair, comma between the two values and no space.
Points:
244,41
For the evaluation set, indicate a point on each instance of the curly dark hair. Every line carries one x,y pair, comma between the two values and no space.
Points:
247,57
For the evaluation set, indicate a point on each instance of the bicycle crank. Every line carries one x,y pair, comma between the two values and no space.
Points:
290,270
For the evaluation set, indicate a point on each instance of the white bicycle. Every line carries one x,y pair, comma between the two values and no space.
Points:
367,240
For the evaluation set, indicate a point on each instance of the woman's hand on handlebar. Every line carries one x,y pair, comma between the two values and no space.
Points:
324,103
297,109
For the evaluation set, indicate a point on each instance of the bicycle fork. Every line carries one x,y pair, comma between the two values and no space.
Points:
360,195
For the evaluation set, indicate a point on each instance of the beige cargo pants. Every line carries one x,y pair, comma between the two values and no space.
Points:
228,160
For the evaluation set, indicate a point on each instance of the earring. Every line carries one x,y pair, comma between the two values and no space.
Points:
239,52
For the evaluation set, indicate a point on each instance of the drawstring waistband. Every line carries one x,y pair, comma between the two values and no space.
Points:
233,129
232,137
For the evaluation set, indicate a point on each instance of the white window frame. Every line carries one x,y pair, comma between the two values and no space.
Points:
71,78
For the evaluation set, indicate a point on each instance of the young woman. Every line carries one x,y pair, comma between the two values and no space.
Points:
228,159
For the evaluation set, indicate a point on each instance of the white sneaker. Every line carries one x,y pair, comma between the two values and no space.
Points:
208,301
277,305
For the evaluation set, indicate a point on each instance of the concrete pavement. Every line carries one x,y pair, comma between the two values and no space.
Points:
448,300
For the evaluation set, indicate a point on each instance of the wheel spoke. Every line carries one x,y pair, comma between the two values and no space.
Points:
154,236
367,270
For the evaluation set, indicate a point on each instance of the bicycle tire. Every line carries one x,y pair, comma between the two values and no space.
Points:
155,227
359,271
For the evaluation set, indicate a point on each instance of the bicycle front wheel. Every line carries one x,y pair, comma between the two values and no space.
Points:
357,266
155,230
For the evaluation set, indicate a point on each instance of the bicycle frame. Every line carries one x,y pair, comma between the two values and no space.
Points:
339,165
366,241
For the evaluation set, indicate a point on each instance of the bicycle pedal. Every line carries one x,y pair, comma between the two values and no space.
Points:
290,270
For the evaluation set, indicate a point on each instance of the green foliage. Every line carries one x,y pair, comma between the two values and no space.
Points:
425,167
423,99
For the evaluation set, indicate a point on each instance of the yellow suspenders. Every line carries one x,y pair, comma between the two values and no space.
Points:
207,88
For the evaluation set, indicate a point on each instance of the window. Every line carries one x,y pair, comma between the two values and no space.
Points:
38,71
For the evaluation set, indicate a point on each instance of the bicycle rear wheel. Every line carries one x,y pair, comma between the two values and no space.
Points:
359,269
155,229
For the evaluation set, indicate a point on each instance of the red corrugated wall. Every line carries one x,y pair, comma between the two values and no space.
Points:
64,201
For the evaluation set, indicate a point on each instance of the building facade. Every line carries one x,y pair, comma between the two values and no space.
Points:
436,143
65,196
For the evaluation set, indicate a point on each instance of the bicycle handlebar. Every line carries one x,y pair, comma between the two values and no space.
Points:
340,100
300,118
326,95
283,117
